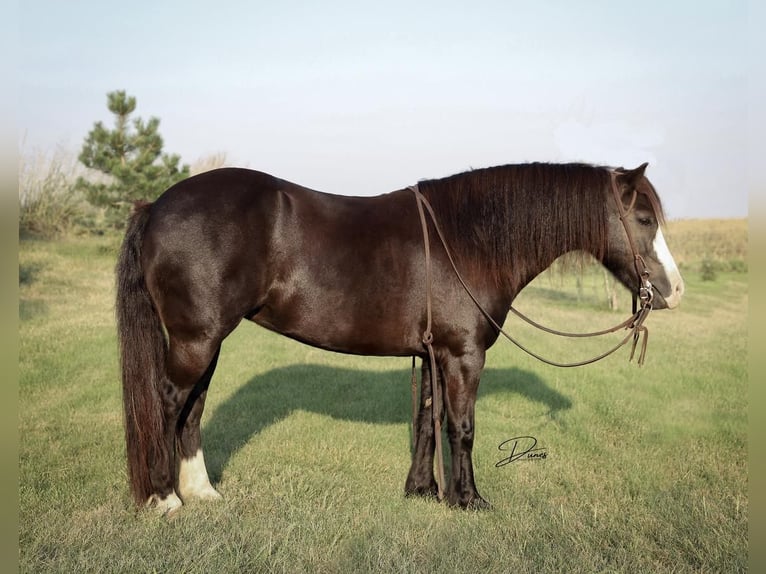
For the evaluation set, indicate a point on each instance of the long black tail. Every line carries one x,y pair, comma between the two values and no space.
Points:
143,351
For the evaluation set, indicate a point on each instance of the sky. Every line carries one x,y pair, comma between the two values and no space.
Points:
362,98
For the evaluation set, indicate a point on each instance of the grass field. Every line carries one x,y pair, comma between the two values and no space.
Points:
645,468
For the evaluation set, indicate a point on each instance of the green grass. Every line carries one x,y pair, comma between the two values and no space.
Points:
646,468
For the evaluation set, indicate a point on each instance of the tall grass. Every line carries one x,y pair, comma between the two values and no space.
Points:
209,162
721,243
646,468
48,204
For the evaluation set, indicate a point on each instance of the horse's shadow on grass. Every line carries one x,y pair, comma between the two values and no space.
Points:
366,396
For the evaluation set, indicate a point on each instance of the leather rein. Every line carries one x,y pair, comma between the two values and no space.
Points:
642,306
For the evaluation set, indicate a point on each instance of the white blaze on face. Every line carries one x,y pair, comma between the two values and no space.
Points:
671,270
193,481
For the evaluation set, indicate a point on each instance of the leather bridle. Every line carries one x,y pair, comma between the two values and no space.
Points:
645,292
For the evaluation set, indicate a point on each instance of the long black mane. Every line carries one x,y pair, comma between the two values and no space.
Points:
514,220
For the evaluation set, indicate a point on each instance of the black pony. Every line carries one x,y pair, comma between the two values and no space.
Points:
346,274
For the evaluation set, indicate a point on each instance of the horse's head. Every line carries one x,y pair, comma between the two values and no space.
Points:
642,216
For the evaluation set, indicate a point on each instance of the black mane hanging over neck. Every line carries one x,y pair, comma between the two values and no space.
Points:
515,220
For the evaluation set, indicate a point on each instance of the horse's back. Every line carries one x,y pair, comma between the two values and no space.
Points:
329,270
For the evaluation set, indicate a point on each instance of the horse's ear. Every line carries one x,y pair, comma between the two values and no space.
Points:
631,177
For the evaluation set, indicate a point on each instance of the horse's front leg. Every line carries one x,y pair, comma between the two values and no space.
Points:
420,480
462,382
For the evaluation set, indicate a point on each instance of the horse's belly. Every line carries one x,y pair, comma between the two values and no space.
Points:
356,327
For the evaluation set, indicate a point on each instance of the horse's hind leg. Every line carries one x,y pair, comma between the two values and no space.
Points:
190,363
420,480
193,480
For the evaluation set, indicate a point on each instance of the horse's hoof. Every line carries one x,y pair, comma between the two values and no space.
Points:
423,491
167,506
206,492
473,502
478,503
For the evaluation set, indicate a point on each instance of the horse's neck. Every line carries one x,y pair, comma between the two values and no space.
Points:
527,261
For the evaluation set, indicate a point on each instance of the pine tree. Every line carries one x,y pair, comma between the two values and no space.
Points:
131,157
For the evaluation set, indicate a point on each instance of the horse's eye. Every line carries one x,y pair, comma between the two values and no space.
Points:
645,221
